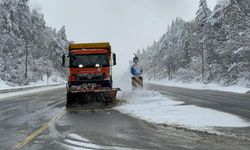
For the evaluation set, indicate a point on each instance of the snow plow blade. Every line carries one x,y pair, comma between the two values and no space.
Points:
84,99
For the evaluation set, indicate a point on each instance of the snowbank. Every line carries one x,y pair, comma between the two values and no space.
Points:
40,89
4,85
53,79
152,107
195,85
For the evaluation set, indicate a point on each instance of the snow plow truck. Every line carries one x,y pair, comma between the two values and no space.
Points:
90,75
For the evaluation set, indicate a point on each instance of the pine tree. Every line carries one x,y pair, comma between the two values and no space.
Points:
219,40
21,31
203,12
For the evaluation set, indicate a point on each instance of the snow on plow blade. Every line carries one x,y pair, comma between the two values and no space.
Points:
90,98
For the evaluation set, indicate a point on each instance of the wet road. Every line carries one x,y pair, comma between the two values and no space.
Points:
39,121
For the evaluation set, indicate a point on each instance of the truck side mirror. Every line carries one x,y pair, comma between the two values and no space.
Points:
114,59
63,60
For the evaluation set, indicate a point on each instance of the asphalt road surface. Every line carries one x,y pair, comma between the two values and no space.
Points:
40,121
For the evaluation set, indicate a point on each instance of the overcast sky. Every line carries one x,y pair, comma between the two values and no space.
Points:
127,24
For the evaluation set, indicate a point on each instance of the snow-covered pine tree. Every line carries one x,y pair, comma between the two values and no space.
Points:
223,34
203,13
21,31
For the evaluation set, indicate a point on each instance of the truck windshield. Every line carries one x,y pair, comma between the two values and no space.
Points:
88,60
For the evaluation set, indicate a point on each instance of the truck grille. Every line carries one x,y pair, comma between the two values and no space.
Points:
80,77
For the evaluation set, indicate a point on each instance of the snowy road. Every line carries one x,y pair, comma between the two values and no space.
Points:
234,103
39,121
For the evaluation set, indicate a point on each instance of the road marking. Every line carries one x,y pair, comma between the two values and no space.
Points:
33,135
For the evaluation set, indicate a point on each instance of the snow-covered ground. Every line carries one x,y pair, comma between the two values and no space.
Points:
39,89
54,79
195,85
153,107
77,142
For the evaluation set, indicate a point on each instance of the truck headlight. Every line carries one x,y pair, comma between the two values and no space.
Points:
97,65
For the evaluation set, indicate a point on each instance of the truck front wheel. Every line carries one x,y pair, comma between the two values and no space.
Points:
68,100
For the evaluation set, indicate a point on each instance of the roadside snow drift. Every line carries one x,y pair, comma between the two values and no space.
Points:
153,107
40,89
52,80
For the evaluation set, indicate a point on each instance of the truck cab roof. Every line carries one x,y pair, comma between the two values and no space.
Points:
88,51
82,46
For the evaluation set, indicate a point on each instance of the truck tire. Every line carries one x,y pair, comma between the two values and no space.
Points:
68,102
